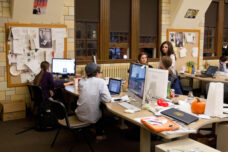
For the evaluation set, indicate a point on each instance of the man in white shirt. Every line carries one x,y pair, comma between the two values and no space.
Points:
93,90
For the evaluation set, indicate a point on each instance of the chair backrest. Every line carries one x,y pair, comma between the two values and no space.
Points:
36,94
59,110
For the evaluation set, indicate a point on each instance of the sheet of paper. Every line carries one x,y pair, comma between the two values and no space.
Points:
183,52
34,36
19,32
21,60
18,46
58,33
195,52
10,36
190,37
39,56
12,58
23,77
59,49
34,66
49,56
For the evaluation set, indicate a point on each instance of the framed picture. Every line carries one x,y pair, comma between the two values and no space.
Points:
179,39
191,13
39,7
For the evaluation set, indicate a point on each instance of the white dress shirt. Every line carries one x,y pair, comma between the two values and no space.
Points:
91,92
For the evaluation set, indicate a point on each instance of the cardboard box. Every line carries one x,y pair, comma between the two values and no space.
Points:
222,136
11,110
184,145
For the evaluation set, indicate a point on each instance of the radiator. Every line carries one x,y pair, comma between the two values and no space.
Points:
109,70
115,70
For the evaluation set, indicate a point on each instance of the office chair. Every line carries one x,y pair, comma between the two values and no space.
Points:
36,96
68,122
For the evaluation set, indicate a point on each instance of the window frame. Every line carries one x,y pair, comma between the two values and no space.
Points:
218,33
103,34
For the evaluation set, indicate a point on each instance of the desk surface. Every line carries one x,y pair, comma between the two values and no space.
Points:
119,111
218,78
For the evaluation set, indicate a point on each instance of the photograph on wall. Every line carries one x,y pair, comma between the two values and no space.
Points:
179,39
39,7
172,36
45,38
191,13
190,37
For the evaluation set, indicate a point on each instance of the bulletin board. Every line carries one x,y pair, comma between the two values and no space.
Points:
186,45
27,45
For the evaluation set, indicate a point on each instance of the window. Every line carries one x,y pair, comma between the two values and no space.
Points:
148,36
119,29
216,30
114,30
87,25
209,29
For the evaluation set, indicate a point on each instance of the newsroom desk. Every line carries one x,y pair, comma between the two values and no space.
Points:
145,139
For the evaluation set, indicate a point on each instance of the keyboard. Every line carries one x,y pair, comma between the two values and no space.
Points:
62,81
129,106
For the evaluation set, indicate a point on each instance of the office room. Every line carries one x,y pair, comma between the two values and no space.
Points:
113,75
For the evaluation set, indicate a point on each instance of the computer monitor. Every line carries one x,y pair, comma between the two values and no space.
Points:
136,82
156,83
63,67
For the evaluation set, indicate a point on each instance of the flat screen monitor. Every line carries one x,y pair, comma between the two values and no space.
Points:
136,81
63,66
156,83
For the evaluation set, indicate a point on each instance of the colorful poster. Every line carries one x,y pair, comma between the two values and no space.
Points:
39,7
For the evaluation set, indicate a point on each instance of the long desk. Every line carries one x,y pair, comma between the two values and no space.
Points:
145,139
217,78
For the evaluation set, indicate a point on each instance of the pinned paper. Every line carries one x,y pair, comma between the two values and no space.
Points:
18,46
190,37
183,52
195,52
34,66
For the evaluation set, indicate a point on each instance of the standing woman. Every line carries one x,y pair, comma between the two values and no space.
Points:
167,50
46,81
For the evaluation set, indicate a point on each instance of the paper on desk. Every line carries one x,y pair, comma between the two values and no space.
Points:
34,66
18,46
195,52
183,52
122,99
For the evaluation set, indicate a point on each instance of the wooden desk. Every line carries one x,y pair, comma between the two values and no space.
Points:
145,139
218,78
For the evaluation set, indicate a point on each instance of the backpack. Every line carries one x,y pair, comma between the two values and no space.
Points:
46,119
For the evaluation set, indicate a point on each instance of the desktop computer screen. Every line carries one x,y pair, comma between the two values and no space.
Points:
136,81
156,83
63,66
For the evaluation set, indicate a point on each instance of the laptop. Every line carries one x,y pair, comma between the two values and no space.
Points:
114,86
210,72
180,115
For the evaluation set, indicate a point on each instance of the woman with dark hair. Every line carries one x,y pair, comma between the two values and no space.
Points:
46,81
142,59
167,50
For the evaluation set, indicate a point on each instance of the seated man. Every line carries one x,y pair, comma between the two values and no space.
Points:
92,91
166,63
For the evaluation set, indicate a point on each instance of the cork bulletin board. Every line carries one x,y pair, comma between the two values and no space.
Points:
26,49
186,44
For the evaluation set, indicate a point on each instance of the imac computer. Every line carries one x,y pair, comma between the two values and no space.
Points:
156,83
64,67
136,82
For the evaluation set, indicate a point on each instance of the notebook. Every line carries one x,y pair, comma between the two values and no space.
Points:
114,86
180,115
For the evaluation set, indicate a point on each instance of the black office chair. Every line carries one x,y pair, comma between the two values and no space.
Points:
36,96
69,122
